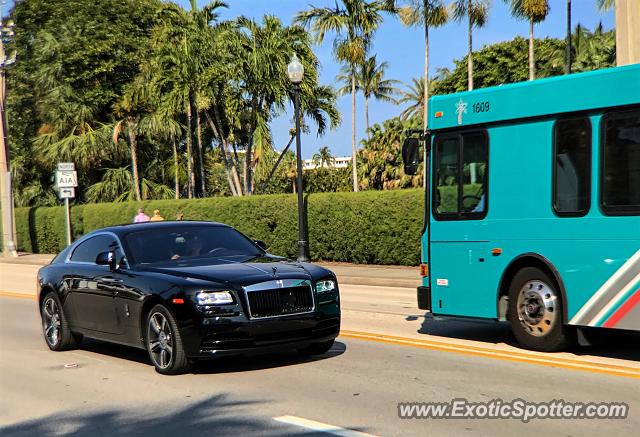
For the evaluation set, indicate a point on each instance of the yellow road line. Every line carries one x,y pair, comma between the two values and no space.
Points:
18,295
544,359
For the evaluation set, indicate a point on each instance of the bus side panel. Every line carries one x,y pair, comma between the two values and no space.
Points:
585,251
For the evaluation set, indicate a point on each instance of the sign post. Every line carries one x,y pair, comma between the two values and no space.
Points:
66,183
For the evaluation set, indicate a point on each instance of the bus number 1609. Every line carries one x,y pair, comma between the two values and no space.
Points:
480,107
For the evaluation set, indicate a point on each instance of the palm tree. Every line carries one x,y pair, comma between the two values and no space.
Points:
535,11
116,186
164,127
426,13
182,53
414,95
371,82
354,22
605,5
262,51
323,158
476,12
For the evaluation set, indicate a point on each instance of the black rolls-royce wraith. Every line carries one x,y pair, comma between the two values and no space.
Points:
185,291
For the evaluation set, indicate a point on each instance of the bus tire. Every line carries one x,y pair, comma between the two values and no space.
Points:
535,312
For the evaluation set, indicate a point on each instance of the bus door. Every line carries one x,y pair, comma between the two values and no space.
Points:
458,244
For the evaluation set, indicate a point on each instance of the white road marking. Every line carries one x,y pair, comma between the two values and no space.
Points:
321,427
88,356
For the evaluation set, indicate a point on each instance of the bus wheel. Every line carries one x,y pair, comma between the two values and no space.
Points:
535,311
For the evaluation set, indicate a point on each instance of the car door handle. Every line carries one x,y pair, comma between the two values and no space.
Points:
111,280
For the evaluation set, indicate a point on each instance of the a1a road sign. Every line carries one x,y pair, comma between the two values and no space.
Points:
66,179
67,193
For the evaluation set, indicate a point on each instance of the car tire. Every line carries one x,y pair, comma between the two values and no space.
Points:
55,326
536,312
164,343
317,348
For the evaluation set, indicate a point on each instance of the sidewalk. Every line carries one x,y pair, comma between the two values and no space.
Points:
354,274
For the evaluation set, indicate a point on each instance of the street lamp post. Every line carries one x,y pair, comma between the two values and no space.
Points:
295,70
6,195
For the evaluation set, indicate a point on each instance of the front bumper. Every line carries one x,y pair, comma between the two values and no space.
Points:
219,336
212,336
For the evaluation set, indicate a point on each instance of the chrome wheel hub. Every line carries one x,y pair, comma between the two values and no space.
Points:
51,322
536,305
160,340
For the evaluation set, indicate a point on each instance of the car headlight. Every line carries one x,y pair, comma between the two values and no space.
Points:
325,286
214,298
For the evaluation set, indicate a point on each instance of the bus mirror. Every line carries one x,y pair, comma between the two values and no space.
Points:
410,155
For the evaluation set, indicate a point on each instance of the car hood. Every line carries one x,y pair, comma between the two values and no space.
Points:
237,273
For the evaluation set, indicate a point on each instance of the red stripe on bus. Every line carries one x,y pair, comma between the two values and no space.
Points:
623,310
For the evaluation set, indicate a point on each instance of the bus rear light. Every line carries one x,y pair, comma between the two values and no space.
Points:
438,114
496,251
424,269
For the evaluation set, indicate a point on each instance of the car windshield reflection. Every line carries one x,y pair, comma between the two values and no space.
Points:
189,243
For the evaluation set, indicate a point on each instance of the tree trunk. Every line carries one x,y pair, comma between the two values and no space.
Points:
176,168
366,115
470,56
354,149
532,60
248,156
203,183
133,145
567,53
191,183
247,168
425,103
232,160
223,152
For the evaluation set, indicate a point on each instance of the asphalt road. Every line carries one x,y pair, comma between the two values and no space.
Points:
115,391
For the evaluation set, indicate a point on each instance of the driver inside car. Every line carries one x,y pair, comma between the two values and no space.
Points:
193,248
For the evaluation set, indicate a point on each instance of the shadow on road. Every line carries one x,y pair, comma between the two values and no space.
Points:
218,365
214,416
609,343
259,362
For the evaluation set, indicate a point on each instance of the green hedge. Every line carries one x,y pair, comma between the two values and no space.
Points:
373,227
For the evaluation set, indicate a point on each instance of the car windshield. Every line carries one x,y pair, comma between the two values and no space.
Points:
188,242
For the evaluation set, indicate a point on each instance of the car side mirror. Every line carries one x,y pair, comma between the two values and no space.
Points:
261,244
410,155
107,258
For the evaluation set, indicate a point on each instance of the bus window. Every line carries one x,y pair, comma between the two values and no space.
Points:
474,172
572,167
446,180
620,163
460,179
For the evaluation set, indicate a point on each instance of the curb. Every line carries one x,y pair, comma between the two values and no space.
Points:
376,281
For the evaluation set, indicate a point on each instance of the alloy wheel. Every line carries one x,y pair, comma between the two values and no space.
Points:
51,321
160,340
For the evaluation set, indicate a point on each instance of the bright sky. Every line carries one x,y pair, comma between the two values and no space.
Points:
403,49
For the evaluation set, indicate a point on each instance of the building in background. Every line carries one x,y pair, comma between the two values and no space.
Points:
338,162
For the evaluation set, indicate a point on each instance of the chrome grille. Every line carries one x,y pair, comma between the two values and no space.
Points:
280,301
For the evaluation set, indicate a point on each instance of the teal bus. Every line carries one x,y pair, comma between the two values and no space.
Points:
532,211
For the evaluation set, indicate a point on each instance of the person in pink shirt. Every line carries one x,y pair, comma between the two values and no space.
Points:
141,217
